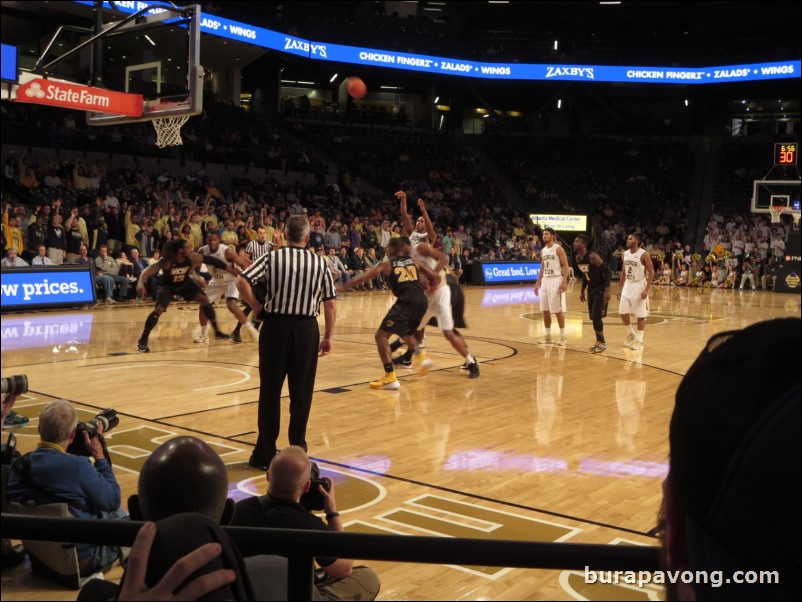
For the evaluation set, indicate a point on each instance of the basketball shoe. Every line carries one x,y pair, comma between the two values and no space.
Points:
598,347
631,338
547,340
561,342
636,345
420,363
388,382
202,337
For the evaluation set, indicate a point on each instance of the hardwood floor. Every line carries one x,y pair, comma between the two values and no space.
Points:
548,444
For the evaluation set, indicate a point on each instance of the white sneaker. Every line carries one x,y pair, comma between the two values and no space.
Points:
631,338
547,340
636,346
252,332
422,344
561,342
110,301
203,337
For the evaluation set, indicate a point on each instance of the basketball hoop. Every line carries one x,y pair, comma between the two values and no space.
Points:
168,131
776,211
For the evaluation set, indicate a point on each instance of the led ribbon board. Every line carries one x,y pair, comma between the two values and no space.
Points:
354,55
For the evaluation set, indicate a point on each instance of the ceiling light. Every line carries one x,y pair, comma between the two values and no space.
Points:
333,77
388,87
686,102
559,103
429,8
485,116
306,83
556,44
436,100
147,37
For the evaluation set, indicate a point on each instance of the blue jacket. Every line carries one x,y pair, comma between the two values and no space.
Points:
62,477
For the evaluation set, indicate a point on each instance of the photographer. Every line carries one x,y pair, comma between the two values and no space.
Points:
289,478
50,475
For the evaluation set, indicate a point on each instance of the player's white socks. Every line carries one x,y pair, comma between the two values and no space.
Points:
469,359
562,332
548,332
631,330
639,335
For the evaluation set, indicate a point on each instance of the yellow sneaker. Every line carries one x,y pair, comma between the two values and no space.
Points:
420,363
388,382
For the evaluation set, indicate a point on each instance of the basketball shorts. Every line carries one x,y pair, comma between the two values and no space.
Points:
405,315
631,302
216,289
187,291
439,308
551,299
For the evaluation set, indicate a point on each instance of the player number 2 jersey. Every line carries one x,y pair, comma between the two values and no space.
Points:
634,269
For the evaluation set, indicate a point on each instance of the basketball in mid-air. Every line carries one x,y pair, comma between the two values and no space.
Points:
356,87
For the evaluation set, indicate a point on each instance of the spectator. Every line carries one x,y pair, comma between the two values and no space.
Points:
37,235
12,259
769,275
185,475
341,274
52,475
750,468
750,272
12,230
41,258
288,478
105,264
74,239
105,281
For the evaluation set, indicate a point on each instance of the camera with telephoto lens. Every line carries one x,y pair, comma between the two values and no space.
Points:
96,427
313,499
14,385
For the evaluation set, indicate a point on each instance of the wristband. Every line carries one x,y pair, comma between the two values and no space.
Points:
332,515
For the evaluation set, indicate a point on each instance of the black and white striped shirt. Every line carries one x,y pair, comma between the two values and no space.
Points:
297,280
256,249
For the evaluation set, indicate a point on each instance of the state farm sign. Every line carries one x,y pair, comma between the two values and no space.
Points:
84,98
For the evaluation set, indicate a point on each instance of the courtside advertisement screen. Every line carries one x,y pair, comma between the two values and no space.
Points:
9,59
565,223
507,272
48,287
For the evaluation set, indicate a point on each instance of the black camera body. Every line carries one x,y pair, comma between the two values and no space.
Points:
96,427
14,385
313,499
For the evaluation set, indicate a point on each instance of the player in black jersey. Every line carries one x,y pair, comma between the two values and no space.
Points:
403,275
596,280
179,266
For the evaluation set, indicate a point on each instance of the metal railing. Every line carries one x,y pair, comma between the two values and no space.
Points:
300,547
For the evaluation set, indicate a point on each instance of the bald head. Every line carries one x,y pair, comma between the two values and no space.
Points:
289,473
183,475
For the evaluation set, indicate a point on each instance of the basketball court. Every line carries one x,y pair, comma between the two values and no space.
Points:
548,444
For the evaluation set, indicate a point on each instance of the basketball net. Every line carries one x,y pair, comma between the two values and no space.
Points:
776,212
168,131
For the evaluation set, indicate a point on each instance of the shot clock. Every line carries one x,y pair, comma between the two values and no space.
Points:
785,153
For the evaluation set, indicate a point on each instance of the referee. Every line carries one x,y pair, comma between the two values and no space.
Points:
296,280
255,249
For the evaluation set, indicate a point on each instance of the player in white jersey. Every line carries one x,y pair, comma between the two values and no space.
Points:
439,295
223,283
551,283
637,275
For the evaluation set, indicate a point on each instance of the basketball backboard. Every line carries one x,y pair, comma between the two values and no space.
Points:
774,193
156,55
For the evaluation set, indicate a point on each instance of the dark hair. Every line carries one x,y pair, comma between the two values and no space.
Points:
715,408
585,239
635,235
172,248
550,231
